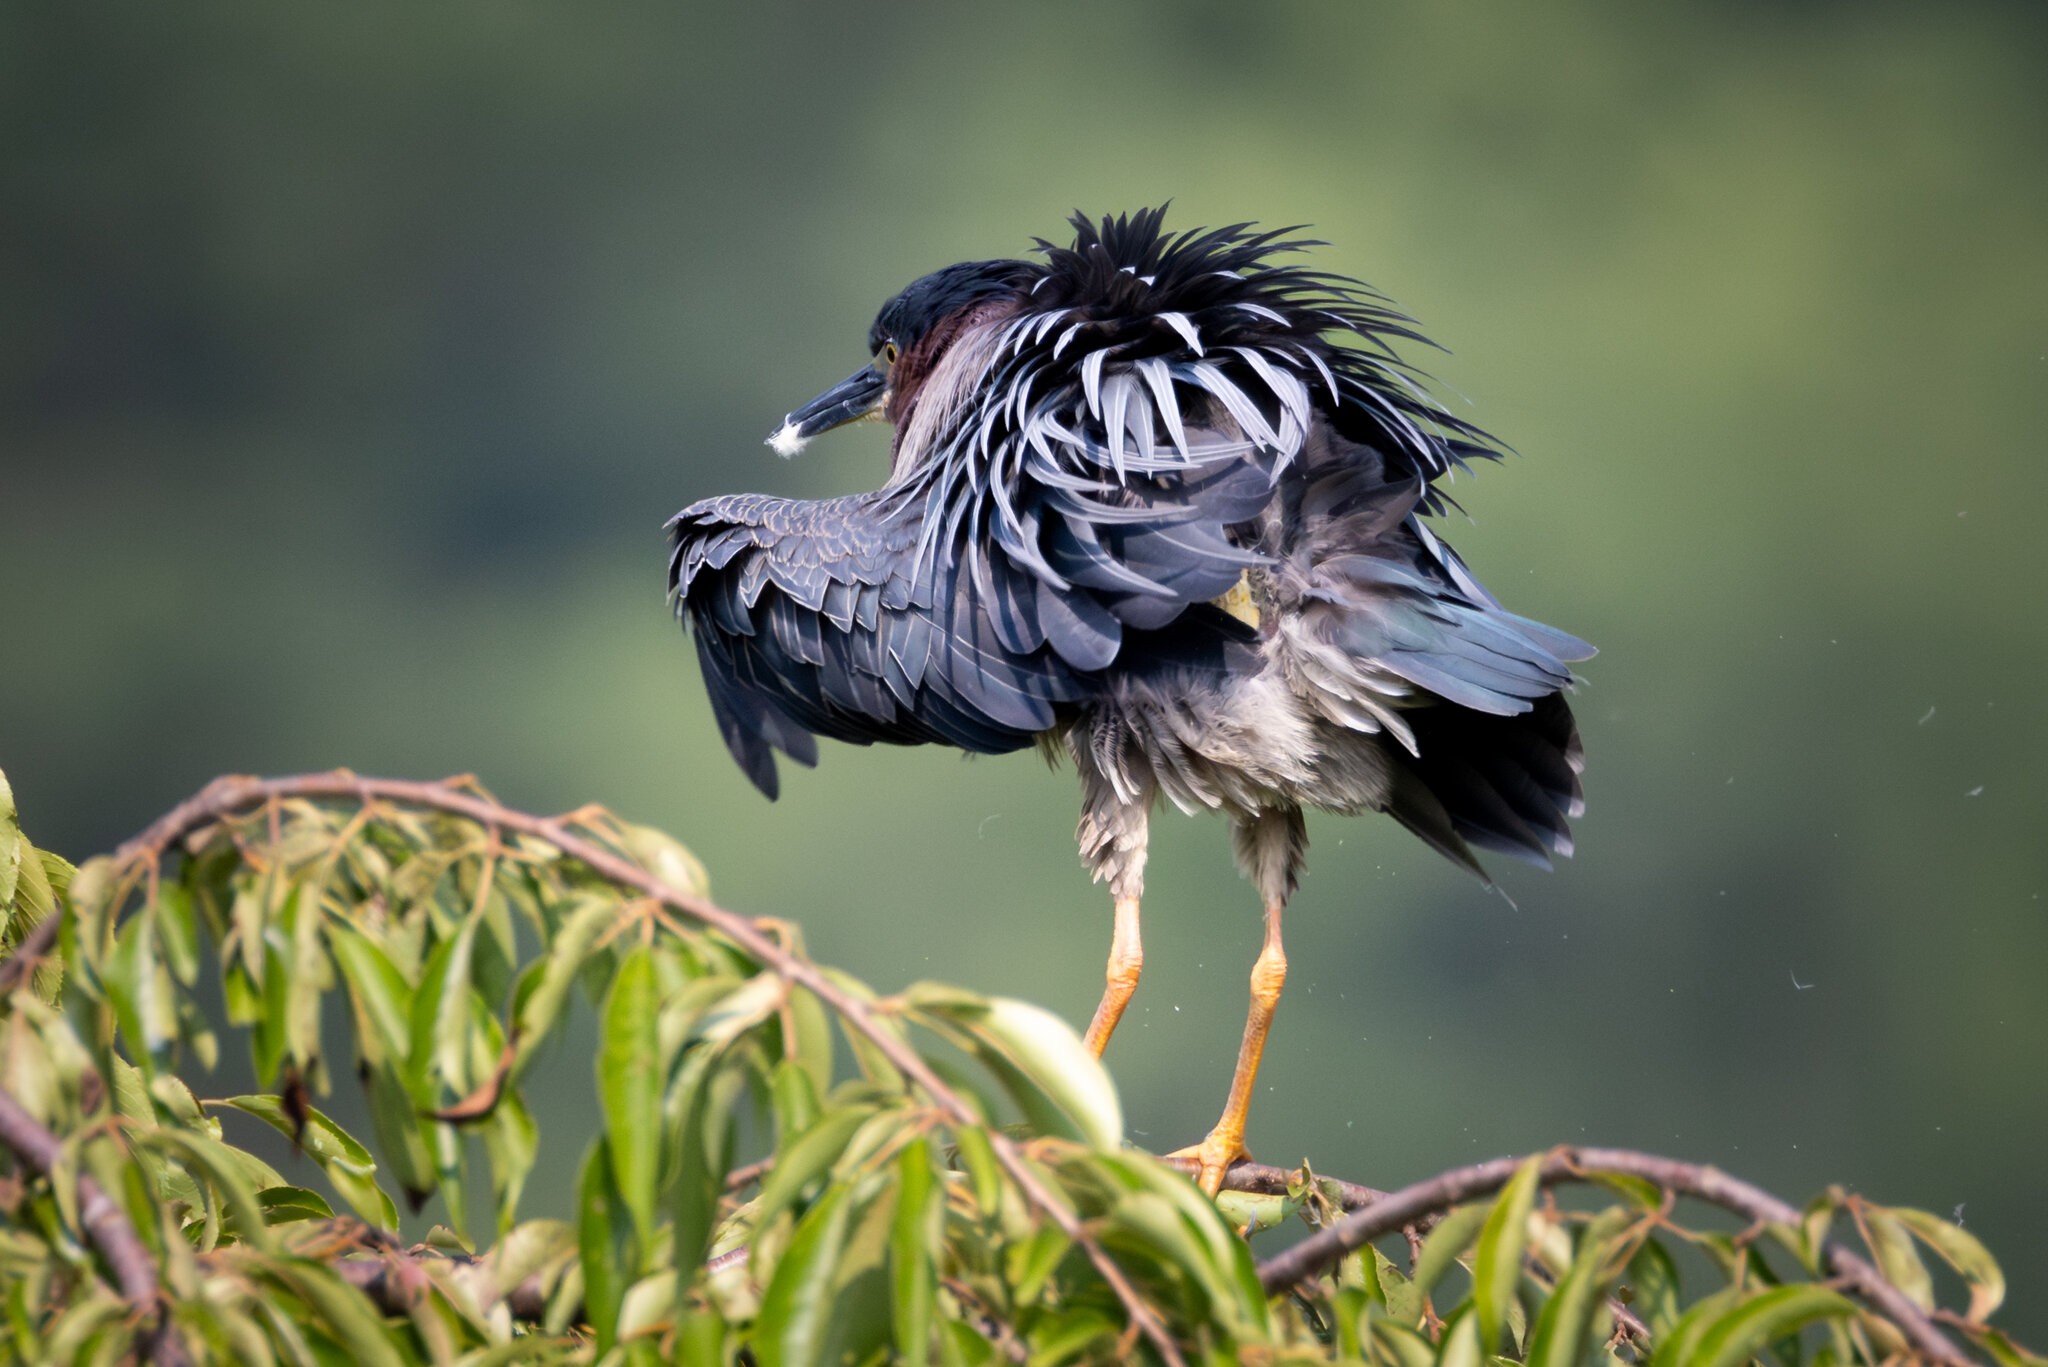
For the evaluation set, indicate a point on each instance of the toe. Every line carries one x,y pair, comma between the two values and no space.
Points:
1213,1158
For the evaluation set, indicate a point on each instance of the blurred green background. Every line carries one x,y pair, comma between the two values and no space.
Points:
352,357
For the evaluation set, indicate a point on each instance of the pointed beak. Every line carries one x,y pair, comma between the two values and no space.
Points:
852,399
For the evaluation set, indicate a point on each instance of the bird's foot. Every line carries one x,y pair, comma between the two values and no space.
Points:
1214,1156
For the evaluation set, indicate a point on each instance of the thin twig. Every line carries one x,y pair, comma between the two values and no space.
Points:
231,794
1325,1248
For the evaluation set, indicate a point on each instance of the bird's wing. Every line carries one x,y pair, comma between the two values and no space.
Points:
1384,622
824,618
1105,492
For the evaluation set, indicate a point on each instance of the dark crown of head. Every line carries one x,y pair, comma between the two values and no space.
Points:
1126,269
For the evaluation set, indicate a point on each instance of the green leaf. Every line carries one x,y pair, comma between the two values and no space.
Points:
1892,1246
1960,1250
740,1010
377,990
344,1309
796,1097
285,1204
1447,1243
601,1238
12,846
811,1024
1397,1344
913,1250
341,1156
401,1132
629,1087
130,977
807,1157
706,1095
1052,1055
1255,1212
178,931
1497,1257
1462,1342
1067,1335
666,858
511,1141
982,1169
1653,1278
567,951
1738,1335
645,1308
1399,1293
797,1308
302,918
1032,1262
213,1162
1564,1325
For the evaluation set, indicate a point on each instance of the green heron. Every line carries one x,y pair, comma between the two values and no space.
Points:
1157,503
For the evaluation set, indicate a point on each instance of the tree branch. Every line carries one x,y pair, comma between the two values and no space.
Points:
1260,1179
1370,1213
231,794
106,1224
1410,1204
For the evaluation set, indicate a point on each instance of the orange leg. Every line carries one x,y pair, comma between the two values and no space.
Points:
1225,1143
1126,961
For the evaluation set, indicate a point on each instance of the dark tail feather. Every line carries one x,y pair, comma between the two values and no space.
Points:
1506,784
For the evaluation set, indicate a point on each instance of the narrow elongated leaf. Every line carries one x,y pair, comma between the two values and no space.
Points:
601,1239
1737,1336
282,1205
347,1163
629,1087
982,1169
914,1249
812,1046
808,1156
1653,1278
1398,1345
379,993
705,1096
1447,1243
310,974
129,975
214,1163
1462,1341
178,931
1497,1257
796,1097
1961,1250
1049,1051
1032,1262
11,846
797,1308
345,1310
1564,1325
567,952
1900,1262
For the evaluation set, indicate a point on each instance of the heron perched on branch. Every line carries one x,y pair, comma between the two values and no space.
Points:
1158,503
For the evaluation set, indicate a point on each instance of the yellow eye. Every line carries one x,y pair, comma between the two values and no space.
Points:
889,353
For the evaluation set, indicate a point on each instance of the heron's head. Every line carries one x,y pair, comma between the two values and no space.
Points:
911,337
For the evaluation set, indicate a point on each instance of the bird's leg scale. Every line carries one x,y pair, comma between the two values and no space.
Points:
1126,961
1225,1143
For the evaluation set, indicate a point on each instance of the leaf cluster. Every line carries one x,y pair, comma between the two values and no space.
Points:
790,1168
